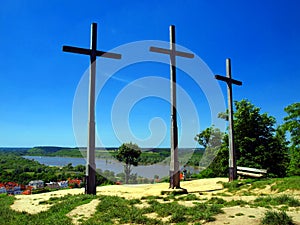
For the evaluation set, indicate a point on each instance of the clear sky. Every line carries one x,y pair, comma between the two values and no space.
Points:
38,81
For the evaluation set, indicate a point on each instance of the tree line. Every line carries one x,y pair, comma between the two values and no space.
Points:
15,168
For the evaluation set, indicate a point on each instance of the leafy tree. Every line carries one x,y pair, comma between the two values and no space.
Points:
219,167
80,168
211,140
292,125
258,143
129,154
210,137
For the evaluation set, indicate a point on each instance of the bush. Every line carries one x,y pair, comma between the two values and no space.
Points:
276,218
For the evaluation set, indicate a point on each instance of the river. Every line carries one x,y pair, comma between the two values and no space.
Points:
161,170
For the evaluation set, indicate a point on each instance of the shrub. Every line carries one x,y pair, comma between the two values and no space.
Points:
276,218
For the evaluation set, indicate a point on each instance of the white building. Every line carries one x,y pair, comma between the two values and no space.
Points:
63,184
36,184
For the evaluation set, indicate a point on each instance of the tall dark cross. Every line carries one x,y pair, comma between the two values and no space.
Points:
90,187
232,154
174,164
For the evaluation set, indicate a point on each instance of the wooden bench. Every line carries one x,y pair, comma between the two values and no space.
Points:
251,172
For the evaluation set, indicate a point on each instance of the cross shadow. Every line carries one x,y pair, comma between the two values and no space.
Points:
205,191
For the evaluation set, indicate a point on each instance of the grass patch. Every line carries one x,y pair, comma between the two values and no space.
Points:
276,218
113,208
248,184
277,184
188,197
55,215
232,203
180,213
288,183
261,184
278,200
215,200
151,197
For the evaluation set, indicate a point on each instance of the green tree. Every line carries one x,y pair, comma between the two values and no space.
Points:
258,143
211,140
210,137
219,167
292,125
129,154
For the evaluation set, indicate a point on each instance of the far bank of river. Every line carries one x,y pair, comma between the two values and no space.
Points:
161,170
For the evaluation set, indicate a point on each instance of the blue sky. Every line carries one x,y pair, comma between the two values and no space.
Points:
38,81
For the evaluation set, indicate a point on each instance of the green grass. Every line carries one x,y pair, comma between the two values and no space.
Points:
276,218
278,200
111,210
151,197
188,197
55,215
164,209
277,184
288,183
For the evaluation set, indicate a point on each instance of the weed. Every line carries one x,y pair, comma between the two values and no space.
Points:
222,194
134,201
214,200
278,200
236,203
288,183
276,218
189,197
150,197
261,184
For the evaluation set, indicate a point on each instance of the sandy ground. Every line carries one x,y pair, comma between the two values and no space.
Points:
204,187
140,190
83,212
31,203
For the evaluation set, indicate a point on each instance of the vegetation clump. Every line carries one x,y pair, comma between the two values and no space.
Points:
276,218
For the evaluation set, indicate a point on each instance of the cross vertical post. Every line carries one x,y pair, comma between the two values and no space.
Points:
174,163
90,178
232,152
91,164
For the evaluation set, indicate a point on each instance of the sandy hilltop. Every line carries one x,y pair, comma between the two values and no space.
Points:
204,188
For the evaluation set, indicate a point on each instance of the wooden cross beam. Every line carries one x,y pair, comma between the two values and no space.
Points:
174,164
228,80
232,153
90,187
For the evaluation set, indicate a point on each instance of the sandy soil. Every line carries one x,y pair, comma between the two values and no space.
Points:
83,212
31,203
205,187
140,190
